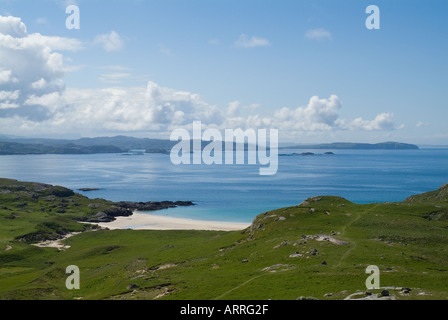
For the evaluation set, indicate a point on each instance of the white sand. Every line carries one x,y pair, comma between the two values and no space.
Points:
56,243
146,221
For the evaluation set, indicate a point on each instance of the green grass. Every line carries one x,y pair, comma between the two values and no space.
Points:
408,241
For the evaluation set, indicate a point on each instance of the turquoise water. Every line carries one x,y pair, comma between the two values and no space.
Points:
237,192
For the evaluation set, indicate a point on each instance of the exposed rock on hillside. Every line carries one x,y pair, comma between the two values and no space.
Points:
438,195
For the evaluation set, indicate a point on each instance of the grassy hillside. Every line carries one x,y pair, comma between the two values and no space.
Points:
317,249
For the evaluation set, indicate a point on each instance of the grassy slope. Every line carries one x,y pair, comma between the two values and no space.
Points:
408,241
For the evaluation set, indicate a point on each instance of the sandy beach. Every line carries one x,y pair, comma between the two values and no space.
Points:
146,221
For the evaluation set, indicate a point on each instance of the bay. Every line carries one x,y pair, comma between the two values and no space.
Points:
237,192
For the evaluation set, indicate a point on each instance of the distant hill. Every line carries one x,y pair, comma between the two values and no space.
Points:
119,144
13,148
122,142
361,146
127,143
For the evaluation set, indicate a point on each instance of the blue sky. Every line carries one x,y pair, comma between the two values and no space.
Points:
308,68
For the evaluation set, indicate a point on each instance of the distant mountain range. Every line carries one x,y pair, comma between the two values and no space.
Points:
122,144
118,144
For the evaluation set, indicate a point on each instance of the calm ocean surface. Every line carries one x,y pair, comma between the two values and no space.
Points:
237,192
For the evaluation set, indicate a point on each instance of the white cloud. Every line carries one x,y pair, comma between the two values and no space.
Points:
5,75
52,101
30,58
233,108
55,43
384,121
39,84
244,41
319,114
322,115
14,36
110,41
422,124
12,26
9,95
318,34
8,105
156,109
29,66
149,109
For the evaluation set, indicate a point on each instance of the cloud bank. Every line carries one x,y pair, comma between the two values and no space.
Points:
35,101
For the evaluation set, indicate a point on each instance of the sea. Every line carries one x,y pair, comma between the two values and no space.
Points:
238,193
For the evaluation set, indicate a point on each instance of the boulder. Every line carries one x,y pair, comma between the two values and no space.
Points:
132,286
101,217
385,293
406,290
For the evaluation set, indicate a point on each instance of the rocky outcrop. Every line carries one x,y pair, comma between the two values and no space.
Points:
62,192
126,209
153,205
118,211
101,217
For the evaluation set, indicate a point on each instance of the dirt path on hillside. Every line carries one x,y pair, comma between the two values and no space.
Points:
352,242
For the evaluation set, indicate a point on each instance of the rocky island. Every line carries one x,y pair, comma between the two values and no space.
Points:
357,146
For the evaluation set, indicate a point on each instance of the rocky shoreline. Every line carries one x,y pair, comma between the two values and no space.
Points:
127,208
49,199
